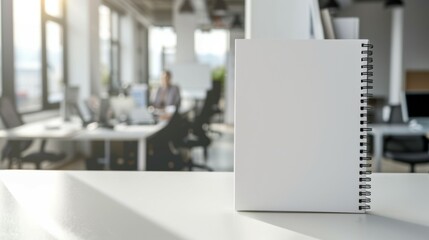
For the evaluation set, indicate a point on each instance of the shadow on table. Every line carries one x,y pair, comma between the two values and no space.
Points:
343,226
67,208
105,218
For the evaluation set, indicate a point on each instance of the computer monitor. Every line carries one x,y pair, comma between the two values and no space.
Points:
71,95
122,106
104,112
139,93
416,106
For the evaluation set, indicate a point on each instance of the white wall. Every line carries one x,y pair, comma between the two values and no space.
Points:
83,45
287,19
375,24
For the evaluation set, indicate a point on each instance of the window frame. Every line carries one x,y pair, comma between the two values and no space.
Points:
46,105
112,44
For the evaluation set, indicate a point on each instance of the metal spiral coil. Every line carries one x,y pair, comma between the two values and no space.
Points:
364,158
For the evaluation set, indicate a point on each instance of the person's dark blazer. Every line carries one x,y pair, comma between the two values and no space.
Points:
172,98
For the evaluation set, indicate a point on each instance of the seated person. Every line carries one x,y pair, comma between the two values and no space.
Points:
168,94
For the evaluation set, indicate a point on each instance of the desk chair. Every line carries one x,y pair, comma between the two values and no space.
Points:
200,126
406,149
217,94
13,149
165,148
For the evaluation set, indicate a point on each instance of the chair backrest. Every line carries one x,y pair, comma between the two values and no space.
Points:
217,91
11,119
9,114
207,110
160,155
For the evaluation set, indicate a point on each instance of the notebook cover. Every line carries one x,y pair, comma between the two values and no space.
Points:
298,125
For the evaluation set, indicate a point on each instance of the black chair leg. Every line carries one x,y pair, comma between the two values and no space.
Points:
202,167
206,154
10,163
412,167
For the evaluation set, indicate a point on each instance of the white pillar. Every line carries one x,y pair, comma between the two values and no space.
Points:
285,19
396,66
185,25
230,77
83,57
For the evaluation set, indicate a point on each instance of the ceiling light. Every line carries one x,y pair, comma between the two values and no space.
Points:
186,7
219,8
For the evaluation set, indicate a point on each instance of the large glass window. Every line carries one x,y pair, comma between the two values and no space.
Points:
28,54
109,48
55,59
162,45
211,47
54,41
39,53
142,45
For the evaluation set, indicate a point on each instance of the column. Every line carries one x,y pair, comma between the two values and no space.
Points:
83,46
185,25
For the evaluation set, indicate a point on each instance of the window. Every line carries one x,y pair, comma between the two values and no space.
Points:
1,54
39,53
109,48
211,47
28,54
142,45
54,50
162,45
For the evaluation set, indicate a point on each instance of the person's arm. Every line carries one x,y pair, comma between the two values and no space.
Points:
156,100
177,97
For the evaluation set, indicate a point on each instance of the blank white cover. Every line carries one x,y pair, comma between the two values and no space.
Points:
297,125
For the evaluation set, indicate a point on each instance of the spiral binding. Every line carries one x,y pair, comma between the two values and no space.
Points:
364,159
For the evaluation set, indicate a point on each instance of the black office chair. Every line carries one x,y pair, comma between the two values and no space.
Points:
217,94
411,150
200,126
13,149
165,148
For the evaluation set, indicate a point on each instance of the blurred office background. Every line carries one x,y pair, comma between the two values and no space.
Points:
61,59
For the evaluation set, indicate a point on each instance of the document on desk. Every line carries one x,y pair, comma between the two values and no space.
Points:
301,125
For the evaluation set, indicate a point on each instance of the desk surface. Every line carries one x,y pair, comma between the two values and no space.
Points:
398,129
55,128
158,205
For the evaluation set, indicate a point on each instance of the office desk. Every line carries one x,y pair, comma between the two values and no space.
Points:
52,128
123,133
379,131
183,205
73,131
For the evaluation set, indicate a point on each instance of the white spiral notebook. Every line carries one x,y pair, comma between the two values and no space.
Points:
301,125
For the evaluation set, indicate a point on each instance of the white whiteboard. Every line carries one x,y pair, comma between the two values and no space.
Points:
192,77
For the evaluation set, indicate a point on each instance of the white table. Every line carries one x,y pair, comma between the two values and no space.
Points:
73,131
186,205
379,131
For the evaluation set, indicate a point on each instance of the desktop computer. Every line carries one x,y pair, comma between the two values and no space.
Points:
71,95
416,108
139,93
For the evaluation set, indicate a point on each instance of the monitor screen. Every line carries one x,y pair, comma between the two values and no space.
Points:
417,105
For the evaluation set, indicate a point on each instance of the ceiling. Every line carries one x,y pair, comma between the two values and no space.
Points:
160,11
